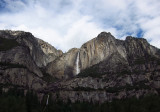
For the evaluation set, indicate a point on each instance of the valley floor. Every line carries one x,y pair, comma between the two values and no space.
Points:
15,101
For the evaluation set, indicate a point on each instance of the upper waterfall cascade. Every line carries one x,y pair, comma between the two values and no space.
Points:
77,64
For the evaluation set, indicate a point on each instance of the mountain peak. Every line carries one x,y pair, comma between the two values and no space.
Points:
104,34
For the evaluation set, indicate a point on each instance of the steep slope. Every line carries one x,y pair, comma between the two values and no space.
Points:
103,69
21,57
110,69
49,52
92,52
64,66
101,48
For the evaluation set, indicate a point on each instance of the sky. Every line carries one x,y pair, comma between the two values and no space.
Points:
70,23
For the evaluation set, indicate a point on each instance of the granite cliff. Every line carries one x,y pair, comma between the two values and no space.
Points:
109,69
22,58
103,69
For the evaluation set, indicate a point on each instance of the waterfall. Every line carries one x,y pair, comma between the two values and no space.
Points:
77,64
46,104
47,100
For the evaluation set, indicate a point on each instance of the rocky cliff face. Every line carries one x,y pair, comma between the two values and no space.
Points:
99,49
91,53
49,52
64,66
110,69
103,47
21,58
103,69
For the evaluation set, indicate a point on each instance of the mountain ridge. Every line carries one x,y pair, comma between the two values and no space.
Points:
109,68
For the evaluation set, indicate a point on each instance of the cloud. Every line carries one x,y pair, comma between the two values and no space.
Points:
69,23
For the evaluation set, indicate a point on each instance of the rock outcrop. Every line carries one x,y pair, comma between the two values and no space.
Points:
41,52
64,66
21,58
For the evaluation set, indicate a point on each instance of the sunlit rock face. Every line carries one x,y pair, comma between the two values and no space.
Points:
64,66
50,53
99,49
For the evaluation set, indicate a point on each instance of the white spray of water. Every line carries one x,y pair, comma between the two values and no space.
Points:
46,104
47,100
77,64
